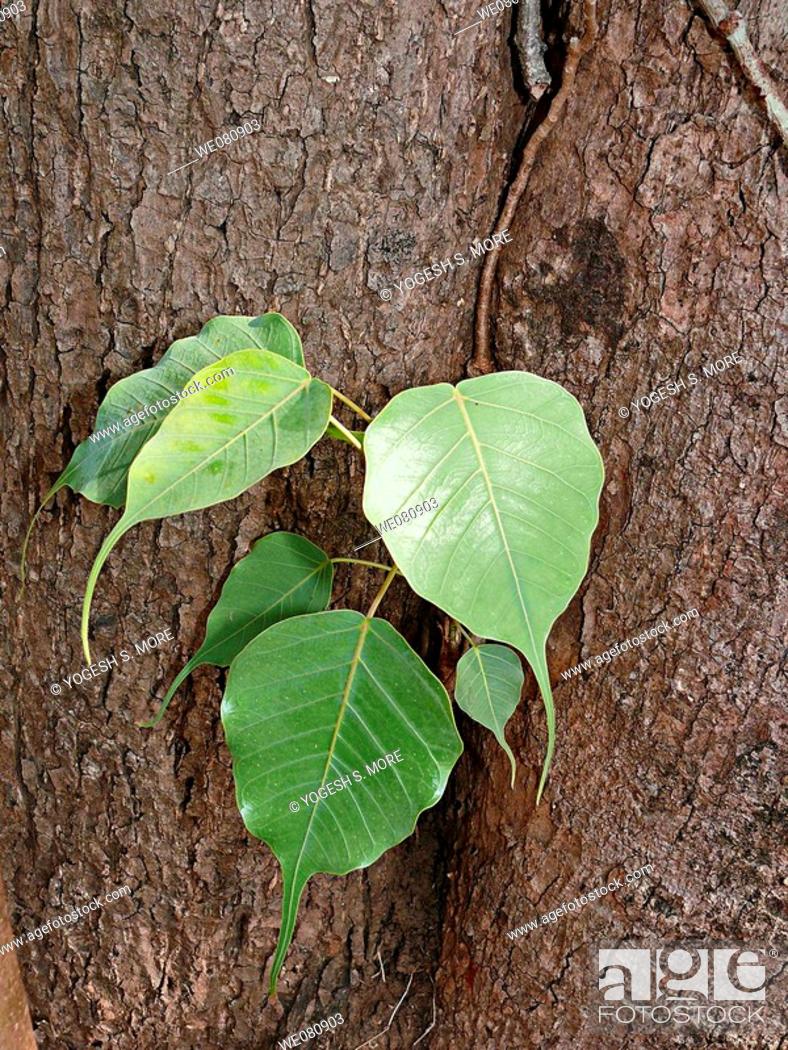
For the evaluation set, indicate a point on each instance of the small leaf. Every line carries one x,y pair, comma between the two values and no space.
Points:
323,696
219,442
517,478
283,575
100,464
489,682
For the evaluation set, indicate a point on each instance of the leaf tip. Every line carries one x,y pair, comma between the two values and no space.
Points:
151,723
90,586
543,778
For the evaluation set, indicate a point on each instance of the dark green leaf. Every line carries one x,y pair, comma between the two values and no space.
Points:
323,696
283,575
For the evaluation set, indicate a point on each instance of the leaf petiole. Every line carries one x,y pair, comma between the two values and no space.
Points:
360,561
352,405
349,435
393,571
465,635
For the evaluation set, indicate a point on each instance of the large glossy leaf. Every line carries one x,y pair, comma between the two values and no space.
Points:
517,478
489,682
220,441
319,697
283,575
100,464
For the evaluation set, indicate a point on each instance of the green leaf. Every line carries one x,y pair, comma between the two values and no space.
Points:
317,697
517,478
489,682
283,575
99,466
220,441
273,332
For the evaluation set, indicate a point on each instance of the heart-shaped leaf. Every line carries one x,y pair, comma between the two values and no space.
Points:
489,682
220,441
321,697
100,464
283,575
517,478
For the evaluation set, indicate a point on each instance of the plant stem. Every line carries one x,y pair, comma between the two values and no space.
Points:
383,588
352,404
348,434
360,561
465,634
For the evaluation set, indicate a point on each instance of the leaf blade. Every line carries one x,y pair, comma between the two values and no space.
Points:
360,692
510,458
283,575
98,469
489,682
201,454
274,332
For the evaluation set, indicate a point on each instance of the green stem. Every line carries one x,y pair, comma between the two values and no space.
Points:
352,405
348,434
393,571
360,561
465,634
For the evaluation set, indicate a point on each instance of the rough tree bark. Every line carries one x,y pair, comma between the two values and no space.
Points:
646,245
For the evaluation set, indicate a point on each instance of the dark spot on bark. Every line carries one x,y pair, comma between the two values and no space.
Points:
592,296
393,246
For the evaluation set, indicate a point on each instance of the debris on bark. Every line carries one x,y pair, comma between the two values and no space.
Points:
529,41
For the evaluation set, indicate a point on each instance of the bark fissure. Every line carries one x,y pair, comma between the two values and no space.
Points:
483,356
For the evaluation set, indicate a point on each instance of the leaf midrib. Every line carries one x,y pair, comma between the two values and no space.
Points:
487,692
460,399
354,663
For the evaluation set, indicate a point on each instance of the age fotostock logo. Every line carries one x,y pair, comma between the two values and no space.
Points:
681,985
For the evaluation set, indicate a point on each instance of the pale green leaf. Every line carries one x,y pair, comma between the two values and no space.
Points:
489,682
283,575
517,478
100,464
315,698
218,443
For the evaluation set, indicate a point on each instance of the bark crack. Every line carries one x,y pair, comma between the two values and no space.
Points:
482,361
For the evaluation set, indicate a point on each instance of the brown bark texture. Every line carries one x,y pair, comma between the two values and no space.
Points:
646,245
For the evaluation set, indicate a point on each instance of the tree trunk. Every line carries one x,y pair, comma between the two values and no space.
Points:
645,247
